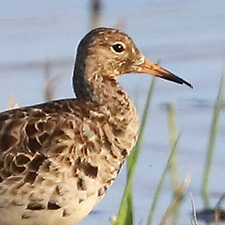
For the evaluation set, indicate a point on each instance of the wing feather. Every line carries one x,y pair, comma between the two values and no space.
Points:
29,136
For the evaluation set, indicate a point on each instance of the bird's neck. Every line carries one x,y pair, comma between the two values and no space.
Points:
122,120
121,125
97,87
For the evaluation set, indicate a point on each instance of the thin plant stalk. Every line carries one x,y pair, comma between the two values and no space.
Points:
212,142
172,137
95,13
172,130
160,185
194,220
11,103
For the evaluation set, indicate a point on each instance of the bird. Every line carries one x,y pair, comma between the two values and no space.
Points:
58,159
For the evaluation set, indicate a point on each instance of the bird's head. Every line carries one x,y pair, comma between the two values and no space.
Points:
114,53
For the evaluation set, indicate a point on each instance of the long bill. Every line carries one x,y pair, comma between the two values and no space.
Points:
155,70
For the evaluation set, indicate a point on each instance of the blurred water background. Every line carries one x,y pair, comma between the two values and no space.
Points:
38,40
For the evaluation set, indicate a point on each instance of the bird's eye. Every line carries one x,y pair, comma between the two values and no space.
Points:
118,47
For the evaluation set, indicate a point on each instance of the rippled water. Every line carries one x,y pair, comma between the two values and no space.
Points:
189,39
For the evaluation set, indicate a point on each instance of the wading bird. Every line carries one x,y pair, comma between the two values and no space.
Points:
58,159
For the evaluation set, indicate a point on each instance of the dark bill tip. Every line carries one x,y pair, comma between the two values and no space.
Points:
155,70
171,77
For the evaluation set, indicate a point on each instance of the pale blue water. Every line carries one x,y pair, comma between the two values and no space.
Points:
189,39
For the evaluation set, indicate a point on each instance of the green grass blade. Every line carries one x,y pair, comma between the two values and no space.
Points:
173,134
160,185
125,210
129,211
212,142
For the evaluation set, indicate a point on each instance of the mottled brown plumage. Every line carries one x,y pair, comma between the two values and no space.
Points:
58,159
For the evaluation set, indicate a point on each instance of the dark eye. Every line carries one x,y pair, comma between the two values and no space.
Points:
118,48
